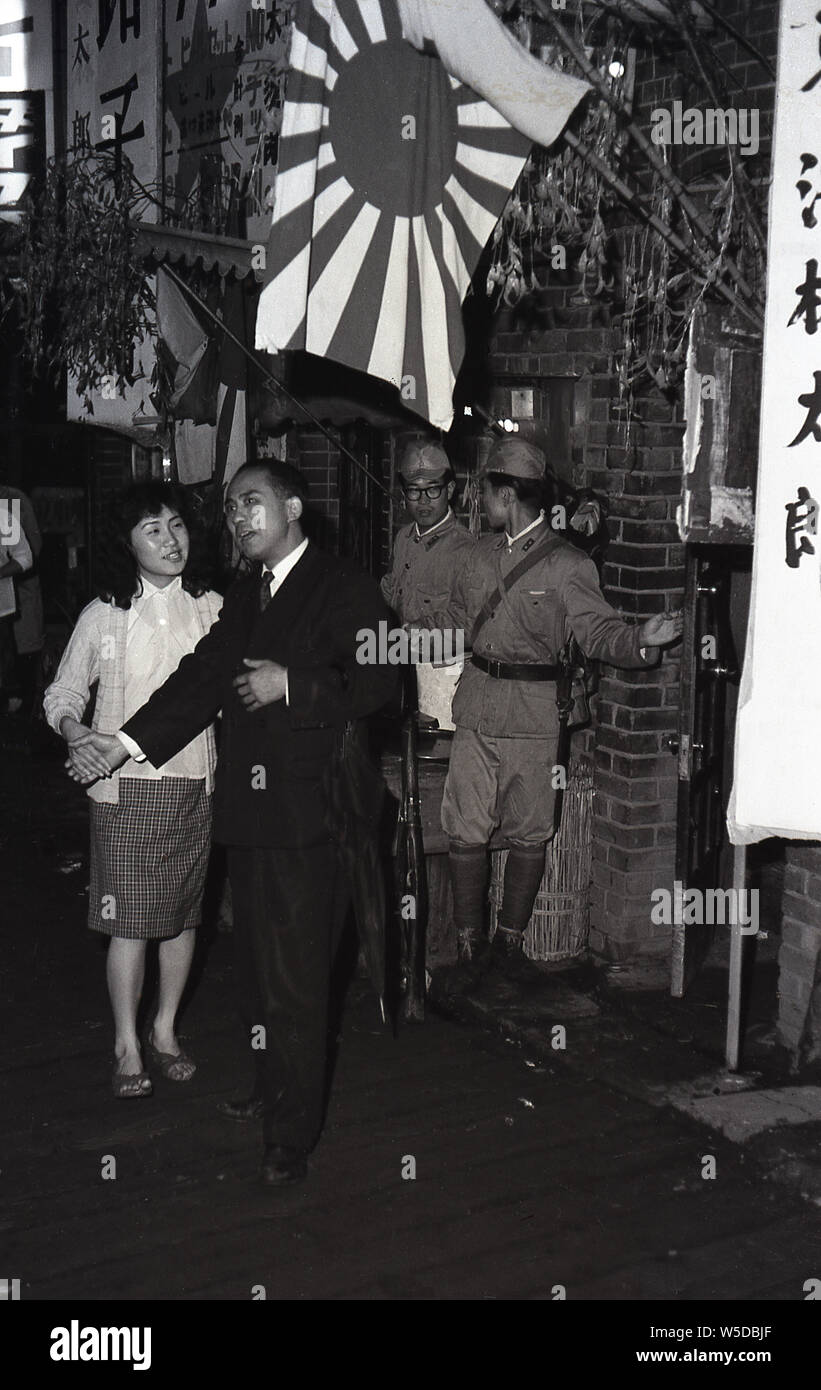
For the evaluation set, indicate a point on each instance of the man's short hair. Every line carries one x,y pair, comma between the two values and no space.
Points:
285,480
526,489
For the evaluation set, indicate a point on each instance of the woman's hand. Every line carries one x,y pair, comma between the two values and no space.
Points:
91,754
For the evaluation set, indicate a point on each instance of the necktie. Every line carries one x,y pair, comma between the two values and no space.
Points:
265,590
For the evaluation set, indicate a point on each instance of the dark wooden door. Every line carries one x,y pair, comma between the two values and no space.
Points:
708,662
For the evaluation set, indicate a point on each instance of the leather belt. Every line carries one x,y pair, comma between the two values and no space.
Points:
501,671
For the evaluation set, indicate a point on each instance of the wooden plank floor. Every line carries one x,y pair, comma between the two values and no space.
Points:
582,1187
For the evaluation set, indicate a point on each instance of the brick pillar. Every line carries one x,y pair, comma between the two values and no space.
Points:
800,938
635,786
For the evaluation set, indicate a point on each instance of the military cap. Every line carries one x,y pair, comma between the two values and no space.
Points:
517,458
423,463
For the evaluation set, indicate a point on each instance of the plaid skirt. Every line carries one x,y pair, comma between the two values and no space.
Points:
149,857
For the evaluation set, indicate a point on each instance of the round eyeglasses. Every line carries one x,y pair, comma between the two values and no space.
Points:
433,491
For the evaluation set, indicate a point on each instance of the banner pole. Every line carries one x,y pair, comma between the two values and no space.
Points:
736,961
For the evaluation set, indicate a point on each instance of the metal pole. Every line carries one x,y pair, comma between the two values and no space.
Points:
736,961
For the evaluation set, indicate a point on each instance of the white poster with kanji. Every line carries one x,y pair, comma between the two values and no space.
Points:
222,114
777,780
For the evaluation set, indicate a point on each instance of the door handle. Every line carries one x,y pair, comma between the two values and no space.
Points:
724,672
672,743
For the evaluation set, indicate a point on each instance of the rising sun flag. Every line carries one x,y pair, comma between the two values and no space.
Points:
405,126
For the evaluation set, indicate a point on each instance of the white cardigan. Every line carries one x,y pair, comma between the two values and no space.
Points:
96,652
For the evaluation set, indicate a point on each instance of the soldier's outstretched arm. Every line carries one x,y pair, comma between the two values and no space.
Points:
600,631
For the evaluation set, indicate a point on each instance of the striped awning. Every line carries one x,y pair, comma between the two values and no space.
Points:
224,253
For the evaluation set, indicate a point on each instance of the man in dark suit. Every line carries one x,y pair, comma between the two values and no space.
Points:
281,665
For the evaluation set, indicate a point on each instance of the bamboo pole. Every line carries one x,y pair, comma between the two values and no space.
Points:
735,171
631,199
662,168
739,37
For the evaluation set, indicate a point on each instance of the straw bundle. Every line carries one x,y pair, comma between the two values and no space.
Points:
560,923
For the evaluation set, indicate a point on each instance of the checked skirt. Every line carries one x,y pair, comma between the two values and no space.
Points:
149,857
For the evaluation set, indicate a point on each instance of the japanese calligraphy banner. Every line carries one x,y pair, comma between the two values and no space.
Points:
777,780
112,94
113,81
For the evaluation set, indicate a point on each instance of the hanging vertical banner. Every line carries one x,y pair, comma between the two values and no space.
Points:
777,785
26,102
112,81
221,114
113,107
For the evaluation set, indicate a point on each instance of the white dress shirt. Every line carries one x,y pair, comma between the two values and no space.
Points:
278,574
284,567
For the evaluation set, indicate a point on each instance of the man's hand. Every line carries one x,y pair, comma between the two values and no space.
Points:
661,629
92,754
263,684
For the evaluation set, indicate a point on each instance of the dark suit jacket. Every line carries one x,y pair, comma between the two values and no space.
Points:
269,783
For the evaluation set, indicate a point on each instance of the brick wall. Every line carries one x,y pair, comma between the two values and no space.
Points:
319,460
800,937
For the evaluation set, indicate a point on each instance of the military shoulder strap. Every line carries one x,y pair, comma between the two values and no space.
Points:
489,606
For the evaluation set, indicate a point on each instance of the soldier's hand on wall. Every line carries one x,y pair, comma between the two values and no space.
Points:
661,629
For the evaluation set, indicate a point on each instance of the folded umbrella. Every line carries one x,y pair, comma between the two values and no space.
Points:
355,797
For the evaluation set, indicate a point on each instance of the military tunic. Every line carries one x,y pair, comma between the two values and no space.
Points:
425,568
507,730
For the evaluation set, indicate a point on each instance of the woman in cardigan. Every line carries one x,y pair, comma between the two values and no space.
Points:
150,827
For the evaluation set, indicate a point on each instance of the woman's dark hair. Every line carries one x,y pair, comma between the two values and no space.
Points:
119,575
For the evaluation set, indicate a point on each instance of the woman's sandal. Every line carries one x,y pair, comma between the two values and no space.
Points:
132,1087
173,1066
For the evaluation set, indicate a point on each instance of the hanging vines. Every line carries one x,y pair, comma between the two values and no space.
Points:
83,300
655,262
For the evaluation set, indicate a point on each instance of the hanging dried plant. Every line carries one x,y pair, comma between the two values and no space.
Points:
82,297
574,197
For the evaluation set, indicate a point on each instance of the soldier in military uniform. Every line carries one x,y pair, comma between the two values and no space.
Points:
430,550
505,710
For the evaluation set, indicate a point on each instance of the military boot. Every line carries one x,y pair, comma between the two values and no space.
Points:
523,876
468,877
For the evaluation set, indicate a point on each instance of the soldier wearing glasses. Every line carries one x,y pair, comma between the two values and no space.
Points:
428,551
